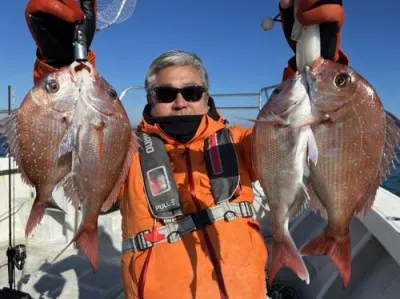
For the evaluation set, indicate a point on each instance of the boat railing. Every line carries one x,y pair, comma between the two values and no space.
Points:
263,93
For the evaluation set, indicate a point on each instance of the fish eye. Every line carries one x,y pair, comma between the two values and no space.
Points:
52,86
113,94
342,80
277,90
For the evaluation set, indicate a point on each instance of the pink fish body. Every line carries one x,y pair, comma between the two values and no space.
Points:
102,144
281,154
34,132
356,142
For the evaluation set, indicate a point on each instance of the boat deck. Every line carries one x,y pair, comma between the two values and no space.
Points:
71,276
375,252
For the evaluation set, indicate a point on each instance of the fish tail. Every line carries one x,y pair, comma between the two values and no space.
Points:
35,216
87,242
336,248
86,239
37,212
285,253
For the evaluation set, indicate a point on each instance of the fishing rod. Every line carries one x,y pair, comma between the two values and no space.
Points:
16,255
107,13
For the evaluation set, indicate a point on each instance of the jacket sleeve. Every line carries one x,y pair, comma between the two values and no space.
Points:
41,68
312,12
242,139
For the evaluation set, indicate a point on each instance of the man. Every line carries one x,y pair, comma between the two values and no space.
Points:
193,235
328,14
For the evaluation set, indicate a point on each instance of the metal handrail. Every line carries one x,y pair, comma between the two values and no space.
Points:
265,89
6,111
134,87
244,94
237,107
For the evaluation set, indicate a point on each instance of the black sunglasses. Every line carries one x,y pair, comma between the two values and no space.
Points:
168,94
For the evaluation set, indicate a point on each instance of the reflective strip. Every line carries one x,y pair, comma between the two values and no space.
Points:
174,230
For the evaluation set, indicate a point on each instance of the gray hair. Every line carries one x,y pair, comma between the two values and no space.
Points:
172,58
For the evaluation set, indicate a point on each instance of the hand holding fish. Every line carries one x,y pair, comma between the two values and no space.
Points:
330,110
286,3
71,129
52,25
325,19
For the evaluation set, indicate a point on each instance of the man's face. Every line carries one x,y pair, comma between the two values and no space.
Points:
178,77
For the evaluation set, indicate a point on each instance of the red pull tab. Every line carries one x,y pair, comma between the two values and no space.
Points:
154,236
215,155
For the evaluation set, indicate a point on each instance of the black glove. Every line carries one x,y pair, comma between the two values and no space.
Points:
287,16
52,24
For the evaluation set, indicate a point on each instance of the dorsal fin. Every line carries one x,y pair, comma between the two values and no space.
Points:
392,140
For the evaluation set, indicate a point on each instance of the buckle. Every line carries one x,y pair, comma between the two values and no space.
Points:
246,209
141,242
174,237
201,219
230,216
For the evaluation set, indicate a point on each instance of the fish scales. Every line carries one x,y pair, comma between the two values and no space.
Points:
356,141
280,153
102,144
33,133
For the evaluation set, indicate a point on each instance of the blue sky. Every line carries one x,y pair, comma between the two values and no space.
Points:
239,55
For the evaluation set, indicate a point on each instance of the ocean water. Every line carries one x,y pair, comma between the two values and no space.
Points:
392,182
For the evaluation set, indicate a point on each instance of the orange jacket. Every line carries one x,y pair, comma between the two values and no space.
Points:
184,269
314,12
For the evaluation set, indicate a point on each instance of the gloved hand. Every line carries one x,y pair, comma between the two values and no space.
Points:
52,25
328,14
316,12
286,3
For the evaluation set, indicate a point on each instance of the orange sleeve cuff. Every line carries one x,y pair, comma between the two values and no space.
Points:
321,14
342,57
287,73
41,68
290,69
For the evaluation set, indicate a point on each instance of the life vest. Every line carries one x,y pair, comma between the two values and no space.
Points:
163,196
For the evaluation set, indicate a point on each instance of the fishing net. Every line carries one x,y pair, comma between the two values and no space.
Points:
113,11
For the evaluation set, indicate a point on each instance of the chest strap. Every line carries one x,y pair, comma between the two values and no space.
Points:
160,187
175,229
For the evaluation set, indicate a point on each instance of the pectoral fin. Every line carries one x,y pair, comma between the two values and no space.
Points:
312,148
67,144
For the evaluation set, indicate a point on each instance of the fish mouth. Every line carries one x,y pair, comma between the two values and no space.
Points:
78,66
84,82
